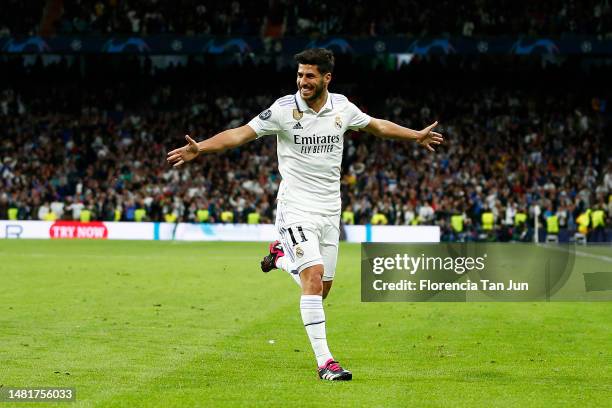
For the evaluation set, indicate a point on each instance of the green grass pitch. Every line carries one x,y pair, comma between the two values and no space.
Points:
138,324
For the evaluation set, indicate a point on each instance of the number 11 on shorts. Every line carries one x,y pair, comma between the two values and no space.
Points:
301,232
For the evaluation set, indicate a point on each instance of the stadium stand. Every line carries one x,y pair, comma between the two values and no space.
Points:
277,18
514,141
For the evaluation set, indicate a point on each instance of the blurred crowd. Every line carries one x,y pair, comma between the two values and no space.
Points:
509,164
277,18
20,17
97,152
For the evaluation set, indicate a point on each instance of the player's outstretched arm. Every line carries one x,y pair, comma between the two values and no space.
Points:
219,142
425,137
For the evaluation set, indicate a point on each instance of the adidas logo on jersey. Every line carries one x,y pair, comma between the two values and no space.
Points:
298,126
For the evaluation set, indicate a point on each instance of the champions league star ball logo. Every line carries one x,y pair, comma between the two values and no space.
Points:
338,122
265,114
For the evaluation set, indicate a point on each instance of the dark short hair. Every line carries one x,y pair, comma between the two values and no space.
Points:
321,57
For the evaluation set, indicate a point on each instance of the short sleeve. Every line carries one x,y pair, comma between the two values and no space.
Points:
357,119
267,122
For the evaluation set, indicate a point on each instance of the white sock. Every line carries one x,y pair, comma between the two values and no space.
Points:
313,317
284,264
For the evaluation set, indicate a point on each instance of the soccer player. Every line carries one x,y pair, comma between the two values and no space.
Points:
309,126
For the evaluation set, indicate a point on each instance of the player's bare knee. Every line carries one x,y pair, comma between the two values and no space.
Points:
312,283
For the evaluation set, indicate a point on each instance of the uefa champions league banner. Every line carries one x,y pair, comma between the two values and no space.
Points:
198,232
485,272
177,45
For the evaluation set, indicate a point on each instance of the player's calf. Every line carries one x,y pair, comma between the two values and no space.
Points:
326,288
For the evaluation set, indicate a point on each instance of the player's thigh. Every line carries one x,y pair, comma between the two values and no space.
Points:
329,253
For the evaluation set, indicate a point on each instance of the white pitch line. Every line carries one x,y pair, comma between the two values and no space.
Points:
580,253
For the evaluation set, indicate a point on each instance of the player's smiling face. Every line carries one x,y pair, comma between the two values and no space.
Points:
310,82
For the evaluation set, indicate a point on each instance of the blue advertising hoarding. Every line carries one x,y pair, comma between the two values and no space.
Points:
167,44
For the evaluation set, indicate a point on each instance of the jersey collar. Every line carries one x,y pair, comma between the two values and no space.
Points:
302,106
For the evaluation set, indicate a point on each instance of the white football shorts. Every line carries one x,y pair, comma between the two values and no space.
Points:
309,239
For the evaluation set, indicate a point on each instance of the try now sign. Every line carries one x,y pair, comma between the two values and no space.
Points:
75,229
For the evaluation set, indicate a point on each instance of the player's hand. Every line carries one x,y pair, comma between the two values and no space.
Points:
427,137
184,154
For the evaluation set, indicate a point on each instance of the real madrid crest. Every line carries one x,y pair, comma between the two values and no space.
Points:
297,115
299,252
338,122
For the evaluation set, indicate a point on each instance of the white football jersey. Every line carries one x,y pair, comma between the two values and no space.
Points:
309,148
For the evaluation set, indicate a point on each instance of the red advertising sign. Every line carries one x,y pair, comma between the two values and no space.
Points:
75,229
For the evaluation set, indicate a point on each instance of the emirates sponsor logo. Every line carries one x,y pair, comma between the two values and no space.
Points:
75,230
